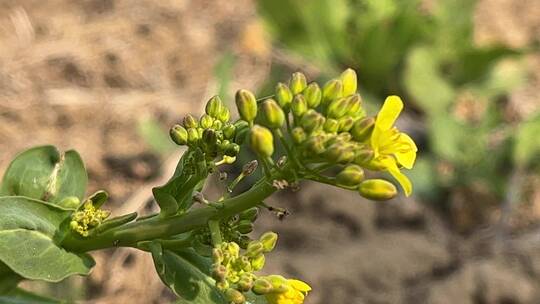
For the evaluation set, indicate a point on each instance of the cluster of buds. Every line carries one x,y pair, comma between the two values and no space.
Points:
213,133
87,217
234,269
329,127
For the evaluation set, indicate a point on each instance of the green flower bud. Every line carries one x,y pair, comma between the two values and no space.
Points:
345,124
217,255
269,240
337,108
377,189
224,114
200,132
350,176
219,272
363,156
193,136
262,141
299,106
262,286
234,296
313,95
209,137
214,106
206,121
190,121
229,131
179,135
257,263
245,227
279,283
344,136
315,144
233,249
332,90
245,283
354,104
338,153
348,78
298,83
71,202
255,248
362,128
250,215
272,114
312,121
298,135
331,125
218,124
284,96
222,285
231,149
246,104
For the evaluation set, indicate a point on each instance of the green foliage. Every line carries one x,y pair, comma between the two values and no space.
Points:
20,296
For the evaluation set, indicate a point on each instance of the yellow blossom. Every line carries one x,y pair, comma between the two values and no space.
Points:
392,148
294,292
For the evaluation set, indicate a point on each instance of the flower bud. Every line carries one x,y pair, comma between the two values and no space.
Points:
315,144
257,263
338,153
219,272
337,108
245,283
193,136
363,156
245,227
209,137
354,104
345,124
312,120
313,95
234,296
348,78
350,176
254,249
218,124
231,150
206,121
331,125
262,286
214,106
298,83
262,141
299,106
217,255
179,135
224,114
332,90
190,121
284,96
279,283
251,214
298,135
71,202
246,104
377,189
272,114
362,128
229,131
269,240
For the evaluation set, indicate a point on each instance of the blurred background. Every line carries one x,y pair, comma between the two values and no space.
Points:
108,77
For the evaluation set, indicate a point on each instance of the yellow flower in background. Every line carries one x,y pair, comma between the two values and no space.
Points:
392,148
295,292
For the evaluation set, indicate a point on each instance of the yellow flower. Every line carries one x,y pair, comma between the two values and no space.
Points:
293,292
392,148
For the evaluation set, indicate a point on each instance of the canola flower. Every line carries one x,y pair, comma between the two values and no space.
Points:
294,292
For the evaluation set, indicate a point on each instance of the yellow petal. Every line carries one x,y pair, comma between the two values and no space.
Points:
299,285
389,113
402,179
406,157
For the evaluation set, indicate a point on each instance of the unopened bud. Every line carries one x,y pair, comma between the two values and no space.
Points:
245,283
377,189
348,78
251,214
362,128
279,283
193,135
298,135
234,296
246,104
345,124
299,106
190,121
272,114
254,249
269,240
219,272
312,120
284,96
262,286
350,176
363,156
337,108
179,135
217,255
313,95
250,167
331,125
354,104
262,141
231,150
229,131
298,83
209,137
214,106
315,144
224,114
332,90
245,227
217,125
257,263
338,153
206,121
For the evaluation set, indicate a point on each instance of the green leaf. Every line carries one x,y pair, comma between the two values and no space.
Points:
425,83
46,174
20,296
28,229
186,275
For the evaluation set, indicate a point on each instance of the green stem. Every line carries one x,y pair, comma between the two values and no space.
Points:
215,232
165,227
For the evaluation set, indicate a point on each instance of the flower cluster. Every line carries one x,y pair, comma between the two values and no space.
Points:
328,127
89,216
234,271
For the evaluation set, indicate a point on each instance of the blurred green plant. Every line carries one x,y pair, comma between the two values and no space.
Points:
425,52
